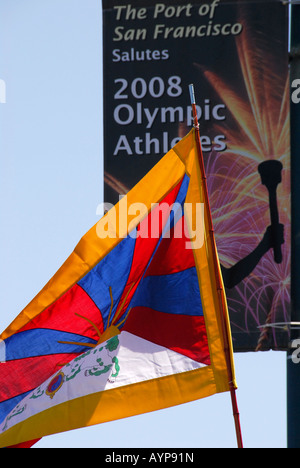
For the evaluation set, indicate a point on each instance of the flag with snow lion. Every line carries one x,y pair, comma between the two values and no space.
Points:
130,323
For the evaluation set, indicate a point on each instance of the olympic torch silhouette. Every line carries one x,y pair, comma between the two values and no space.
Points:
270,172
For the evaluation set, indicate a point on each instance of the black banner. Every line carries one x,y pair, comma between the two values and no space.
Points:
236,55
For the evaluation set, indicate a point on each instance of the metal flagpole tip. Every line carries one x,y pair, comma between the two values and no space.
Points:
192,94
193,103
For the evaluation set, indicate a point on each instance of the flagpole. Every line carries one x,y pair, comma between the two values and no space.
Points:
220,288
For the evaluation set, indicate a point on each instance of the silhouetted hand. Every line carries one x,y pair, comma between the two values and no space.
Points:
273,237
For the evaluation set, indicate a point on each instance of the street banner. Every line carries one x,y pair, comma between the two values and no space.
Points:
236,55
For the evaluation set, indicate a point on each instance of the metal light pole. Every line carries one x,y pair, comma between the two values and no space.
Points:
293,356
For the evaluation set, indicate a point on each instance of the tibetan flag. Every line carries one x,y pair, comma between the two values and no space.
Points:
130,323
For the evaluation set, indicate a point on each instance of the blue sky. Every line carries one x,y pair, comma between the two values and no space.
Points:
51,181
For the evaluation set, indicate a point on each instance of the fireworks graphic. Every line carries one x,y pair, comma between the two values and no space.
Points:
257,130
256,96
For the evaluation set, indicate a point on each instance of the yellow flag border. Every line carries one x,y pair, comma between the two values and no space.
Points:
119,403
